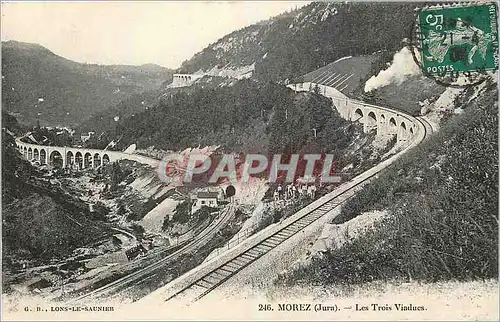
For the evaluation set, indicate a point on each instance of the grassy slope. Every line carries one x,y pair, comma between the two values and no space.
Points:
136,103
443,197
360,68
40,225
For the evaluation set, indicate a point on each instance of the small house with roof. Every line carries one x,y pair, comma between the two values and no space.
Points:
205,198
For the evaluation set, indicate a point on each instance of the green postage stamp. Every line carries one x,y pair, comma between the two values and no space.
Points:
459,38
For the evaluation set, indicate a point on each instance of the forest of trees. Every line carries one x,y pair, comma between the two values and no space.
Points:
248,116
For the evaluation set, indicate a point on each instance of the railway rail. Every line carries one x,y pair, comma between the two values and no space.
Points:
429,128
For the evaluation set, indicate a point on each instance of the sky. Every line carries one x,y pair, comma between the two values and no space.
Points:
135,33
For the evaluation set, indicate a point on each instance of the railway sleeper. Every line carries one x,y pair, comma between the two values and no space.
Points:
263,249
318,217
290,230
220,274
274,242
275,238
283,235
294,227
253,252
294,231
202,283
269,244
211,279
311,219
239,261
245,260
298,226
225,270
315,217
245,255
233,266
302,223
282,232
308,223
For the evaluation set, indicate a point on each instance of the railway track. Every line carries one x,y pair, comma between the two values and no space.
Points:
429,128
150,270
209,281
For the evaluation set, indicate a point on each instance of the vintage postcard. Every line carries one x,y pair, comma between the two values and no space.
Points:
249,160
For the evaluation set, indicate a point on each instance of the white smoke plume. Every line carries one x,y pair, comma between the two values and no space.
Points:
401,68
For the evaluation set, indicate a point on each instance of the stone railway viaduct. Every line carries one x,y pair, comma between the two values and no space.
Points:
384,121
79,158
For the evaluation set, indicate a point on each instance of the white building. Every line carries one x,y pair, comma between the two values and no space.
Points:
205,198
